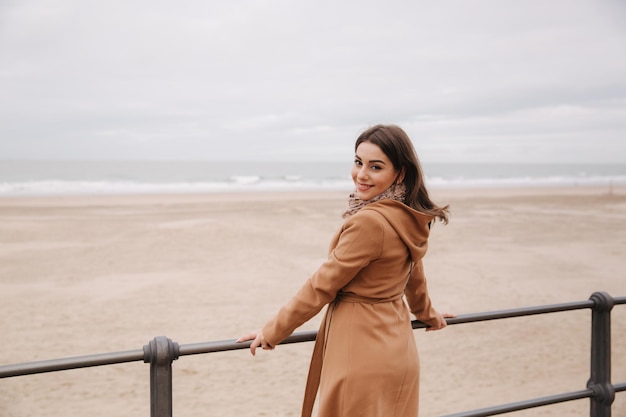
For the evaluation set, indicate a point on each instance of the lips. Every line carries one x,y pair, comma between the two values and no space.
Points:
364,187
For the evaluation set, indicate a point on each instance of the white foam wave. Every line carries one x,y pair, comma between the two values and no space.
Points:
257,183
55,187
527,181
245,179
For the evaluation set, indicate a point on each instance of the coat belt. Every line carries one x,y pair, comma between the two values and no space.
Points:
317,358
354,298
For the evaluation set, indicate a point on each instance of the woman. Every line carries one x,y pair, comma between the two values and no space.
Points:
365,361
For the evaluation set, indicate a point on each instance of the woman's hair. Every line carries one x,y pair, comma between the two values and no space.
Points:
395,143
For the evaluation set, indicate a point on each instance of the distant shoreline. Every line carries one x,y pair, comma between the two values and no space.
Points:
48,178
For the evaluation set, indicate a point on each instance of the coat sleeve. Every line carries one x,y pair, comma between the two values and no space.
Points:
359,242
417,297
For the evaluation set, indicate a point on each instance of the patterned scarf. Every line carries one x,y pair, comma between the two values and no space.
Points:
395,192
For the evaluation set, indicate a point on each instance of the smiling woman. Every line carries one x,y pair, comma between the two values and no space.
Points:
375,261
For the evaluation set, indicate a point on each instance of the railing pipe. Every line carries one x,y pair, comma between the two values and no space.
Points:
225,345
600,379
75,362
524,405
515,312
160,353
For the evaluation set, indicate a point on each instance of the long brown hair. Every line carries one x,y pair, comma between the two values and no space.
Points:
395,143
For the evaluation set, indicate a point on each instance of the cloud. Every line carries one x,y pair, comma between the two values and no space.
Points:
273,79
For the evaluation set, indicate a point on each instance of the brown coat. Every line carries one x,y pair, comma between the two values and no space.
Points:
365,359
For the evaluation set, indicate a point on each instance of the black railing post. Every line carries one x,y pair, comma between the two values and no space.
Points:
600,380
160,353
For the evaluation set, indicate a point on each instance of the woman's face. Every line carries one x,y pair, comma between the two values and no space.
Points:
372,171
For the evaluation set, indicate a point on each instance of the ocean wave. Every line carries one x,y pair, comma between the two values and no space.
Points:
525,181
245,179
287,183
56,187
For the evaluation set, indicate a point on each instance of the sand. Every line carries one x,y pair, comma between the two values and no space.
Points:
87,275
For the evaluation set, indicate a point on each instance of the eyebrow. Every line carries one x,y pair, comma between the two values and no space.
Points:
373,161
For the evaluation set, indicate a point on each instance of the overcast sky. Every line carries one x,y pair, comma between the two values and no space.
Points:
471,81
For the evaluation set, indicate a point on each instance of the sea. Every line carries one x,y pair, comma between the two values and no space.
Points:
41,178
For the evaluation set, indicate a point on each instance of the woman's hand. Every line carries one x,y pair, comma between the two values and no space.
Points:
441,323
258,340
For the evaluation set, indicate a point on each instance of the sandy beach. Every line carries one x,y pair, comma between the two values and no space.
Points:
86,275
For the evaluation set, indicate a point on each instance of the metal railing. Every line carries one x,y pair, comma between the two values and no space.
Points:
161,352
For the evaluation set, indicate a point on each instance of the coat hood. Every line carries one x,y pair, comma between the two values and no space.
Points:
411,225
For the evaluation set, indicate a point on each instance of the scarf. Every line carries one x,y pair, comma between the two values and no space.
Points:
395,192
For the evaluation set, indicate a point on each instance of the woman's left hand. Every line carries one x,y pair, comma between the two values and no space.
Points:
442,323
